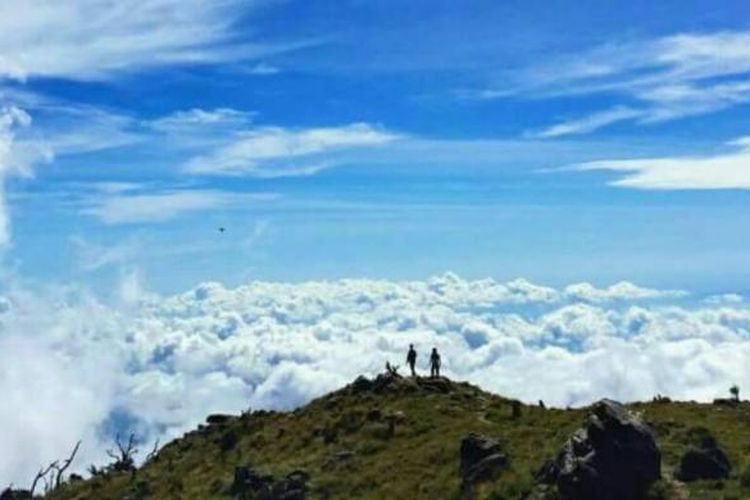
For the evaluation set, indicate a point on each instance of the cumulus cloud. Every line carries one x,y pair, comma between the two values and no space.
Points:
722,171
160,364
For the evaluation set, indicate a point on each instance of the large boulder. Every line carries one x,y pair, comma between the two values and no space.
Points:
612,457
705,461
482,459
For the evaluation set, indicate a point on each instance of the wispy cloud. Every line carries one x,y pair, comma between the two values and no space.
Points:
91,39
725,171
199,120
161,206
589,123
659,79
277,151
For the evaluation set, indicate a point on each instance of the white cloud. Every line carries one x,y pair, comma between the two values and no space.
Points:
724,171
262,69
166,362
724,299
589,123
16,158
619,291
276,151
161,206
200,120
93,39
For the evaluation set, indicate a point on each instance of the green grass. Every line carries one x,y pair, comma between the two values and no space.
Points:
421,460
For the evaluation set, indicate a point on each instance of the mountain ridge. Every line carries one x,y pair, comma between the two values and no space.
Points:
402,437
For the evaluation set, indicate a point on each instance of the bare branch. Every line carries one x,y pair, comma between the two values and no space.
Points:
152,454
41,475
61,468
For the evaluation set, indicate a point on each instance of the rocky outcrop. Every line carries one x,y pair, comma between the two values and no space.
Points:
612,457
704,461
482,459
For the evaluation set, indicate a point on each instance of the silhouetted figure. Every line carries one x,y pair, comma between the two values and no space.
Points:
411,359
434,363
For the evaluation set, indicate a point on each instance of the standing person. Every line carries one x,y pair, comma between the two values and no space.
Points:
434,363
411,359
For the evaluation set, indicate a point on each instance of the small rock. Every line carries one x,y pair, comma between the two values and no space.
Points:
218,419
361,384
374,415
338,459
481,460
516,410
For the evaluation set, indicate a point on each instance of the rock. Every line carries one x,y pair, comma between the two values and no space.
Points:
705,461
292,487
726,402
374,415
516,413
383,382
338,459
361,384
481,460
439,385
612,457
218,419
10,494
265,487
228,440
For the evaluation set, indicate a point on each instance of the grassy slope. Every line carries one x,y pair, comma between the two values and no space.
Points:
420,461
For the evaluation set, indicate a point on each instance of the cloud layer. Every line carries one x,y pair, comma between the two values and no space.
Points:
75,368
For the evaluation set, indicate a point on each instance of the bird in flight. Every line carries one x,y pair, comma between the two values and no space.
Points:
221,229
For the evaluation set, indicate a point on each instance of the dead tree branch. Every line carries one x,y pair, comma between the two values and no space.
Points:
66,463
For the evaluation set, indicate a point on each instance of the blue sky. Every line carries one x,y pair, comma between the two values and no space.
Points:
555,141
371,163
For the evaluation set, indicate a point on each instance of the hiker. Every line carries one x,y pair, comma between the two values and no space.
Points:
434,363
411,359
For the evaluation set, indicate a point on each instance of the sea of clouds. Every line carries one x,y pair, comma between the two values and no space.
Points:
72,367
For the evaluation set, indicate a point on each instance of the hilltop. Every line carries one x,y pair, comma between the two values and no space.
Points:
394,437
